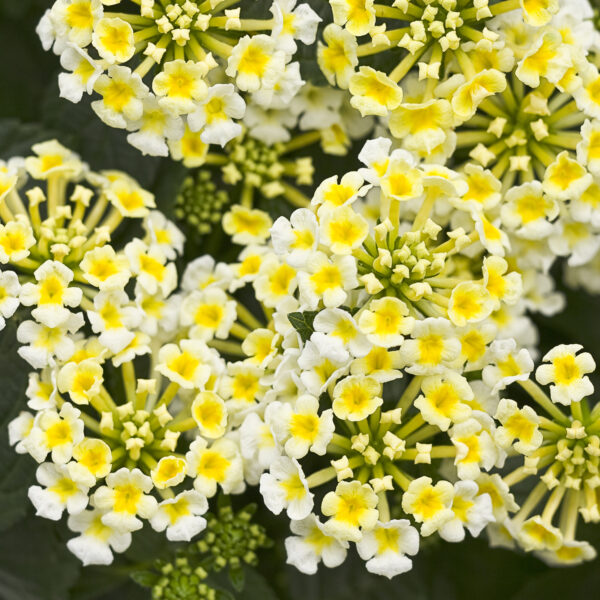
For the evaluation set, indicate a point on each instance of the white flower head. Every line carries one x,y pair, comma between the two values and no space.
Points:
284,487
567,373
215,115
125,497
181,516
311,545
60,492
384,548
471,511
98,541
301,428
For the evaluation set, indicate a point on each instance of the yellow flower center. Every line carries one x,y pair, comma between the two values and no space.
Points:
126,498
520,427
430,348
215,110
111,316
303,240
152,267
428,504
177,510
213,465
387,540
460,507
131,200
58,434
79,15
305,427
64,488
209,315
118,95
294,490
444,398
51,290
281,279
327,278
473,346
566,370
245,387
351,508
254,61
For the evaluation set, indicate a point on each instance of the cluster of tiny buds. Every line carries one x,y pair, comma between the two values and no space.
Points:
199,204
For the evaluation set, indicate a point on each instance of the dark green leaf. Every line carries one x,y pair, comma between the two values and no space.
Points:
148,545
128,591
145,578
95,581
34,563
224,595
237,577
26,69
302,322
16,138
16,470
257,587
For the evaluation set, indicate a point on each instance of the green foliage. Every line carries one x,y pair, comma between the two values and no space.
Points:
17,470
302,322
35,563
218,566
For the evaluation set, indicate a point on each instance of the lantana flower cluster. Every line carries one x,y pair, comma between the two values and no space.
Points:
503,91
349,364
368,360
271,159
57,259
149,63
557,450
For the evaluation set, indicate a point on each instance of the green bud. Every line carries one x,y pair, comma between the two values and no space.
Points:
199,204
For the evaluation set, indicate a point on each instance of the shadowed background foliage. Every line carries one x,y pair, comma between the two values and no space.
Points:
34,562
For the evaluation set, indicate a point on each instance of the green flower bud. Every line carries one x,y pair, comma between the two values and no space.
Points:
182,582
199,204
232,538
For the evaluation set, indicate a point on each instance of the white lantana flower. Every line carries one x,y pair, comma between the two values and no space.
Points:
385,547
293,23
155,127
80,76
429,504
209,313
114,318
508,364
220,463
520,424
97,541
285,487
181,516
51,294
214,115
122,94
297,238
471,511
125,495
301,428
567,373
352,510
55,433
60,492
311,545
10,289
339,323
